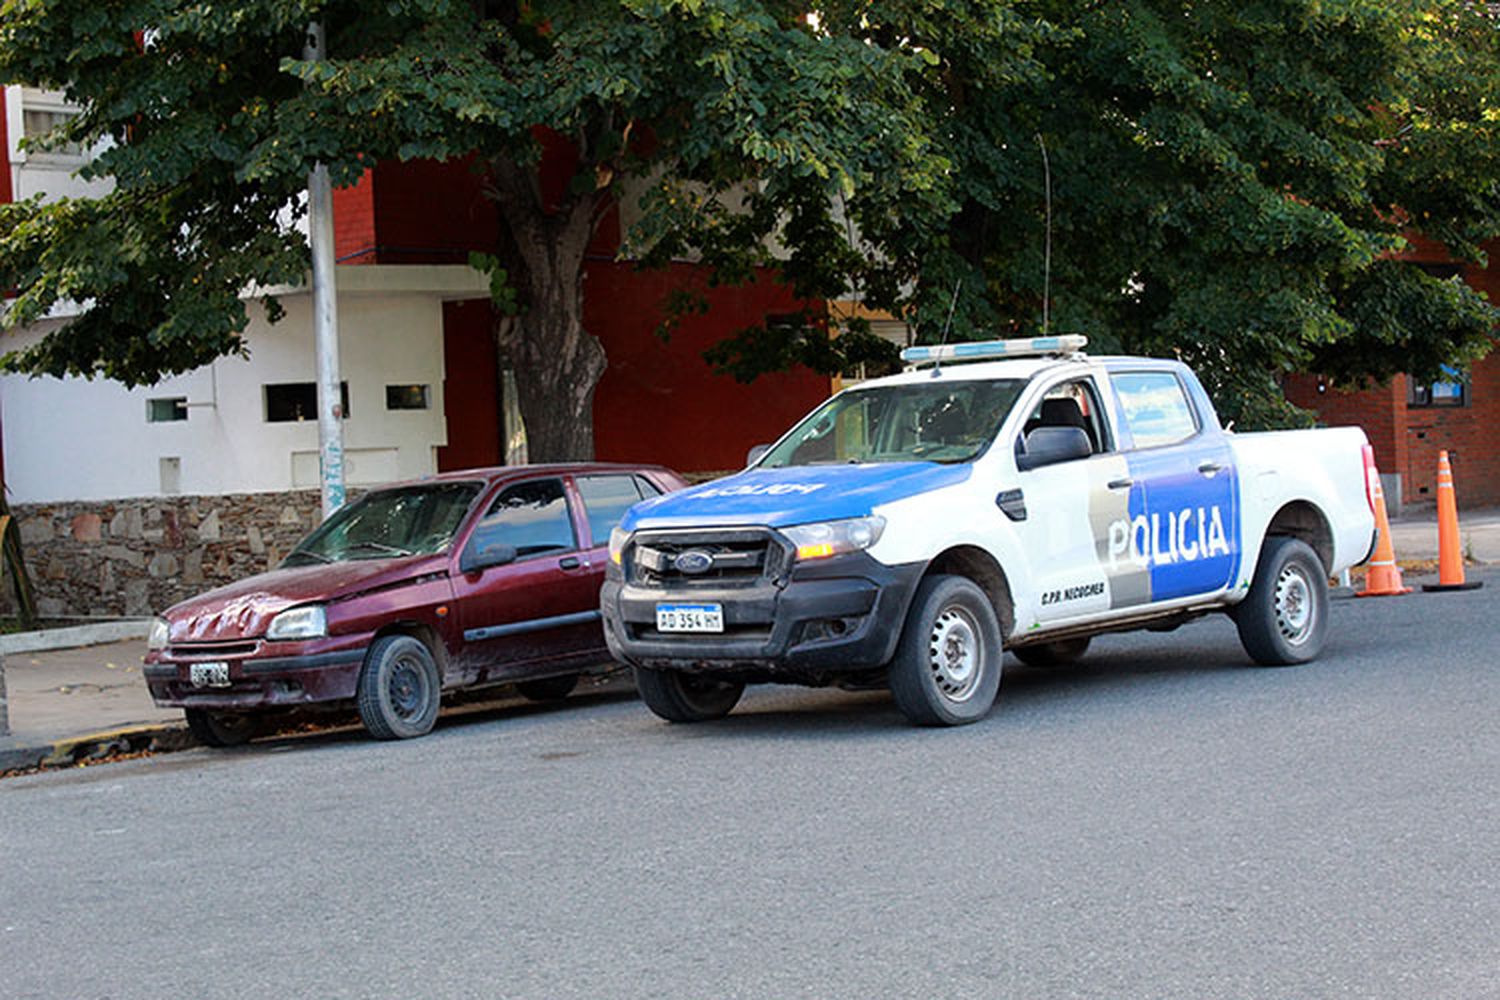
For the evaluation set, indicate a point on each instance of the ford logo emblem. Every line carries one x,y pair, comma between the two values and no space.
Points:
693,561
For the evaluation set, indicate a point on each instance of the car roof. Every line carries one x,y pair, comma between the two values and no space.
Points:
494,473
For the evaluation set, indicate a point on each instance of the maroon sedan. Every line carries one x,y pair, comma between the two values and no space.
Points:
461,580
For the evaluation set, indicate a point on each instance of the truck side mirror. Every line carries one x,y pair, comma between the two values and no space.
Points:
487,548
755,453
1050,445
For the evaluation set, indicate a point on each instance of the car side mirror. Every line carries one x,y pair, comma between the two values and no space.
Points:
1050,445
755,453
487,548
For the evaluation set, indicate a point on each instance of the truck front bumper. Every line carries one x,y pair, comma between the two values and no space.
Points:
835,616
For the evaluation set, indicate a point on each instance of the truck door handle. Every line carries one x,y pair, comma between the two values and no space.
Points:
1209,468
569,562
1121,484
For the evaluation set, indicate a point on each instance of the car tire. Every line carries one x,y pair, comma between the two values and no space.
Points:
548,688
1053,654
1283,620
221,729
946,671
399,689
678,696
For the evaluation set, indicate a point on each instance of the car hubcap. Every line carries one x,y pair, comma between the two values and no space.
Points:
1294,605
408,689
955,653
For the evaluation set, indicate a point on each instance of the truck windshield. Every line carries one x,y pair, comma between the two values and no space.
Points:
405,521
948,421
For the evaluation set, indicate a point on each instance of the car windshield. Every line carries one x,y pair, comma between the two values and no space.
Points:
946,421
404,521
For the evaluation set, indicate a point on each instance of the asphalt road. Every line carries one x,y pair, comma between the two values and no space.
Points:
1161,821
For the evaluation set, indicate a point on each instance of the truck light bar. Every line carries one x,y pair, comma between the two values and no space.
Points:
1020,347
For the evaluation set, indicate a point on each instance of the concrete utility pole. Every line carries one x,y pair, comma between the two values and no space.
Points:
325,317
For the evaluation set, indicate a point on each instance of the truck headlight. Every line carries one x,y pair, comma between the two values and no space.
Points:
617,540
830,538
307,622
157,637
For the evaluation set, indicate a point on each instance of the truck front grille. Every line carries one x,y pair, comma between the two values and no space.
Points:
724,557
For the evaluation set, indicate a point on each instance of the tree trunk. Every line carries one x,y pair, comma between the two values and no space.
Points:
557,362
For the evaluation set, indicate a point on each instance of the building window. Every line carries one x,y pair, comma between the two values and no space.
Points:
1454,392
166,410
406,397
288,401
39,123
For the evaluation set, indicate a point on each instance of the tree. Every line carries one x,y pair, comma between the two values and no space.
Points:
214,122
1232,181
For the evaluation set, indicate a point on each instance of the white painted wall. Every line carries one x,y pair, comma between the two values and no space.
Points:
73,439
49,174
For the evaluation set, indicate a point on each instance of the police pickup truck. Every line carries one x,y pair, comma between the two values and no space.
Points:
1009,495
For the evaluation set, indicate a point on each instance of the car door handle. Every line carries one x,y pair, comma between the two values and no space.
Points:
1121,484
1209,468
569,562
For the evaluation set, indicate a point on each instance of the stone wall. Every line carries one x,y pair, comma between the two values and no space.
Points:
136,557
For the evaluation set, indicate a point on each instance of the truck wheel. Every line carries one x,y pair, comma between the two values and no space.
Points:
682,697
947,666
399,691
221,729
548,688
1052,654
1283,620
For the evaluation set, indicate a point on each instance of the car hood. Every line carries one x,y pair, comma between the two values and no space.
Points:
244,609
783,497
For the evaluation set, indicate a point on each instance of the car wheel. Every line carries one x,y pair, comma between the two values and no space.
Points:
399,690
948,661
548,688
1052,654
1283,620
221,729
683,697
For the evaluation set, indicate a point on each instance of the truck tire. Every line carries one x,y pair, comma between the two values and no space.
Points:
548,688
221,729
678,696
399,689
1053,654
1283,620
947,666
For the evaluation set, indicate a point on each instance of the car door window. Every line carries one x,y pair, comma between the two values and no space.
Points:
607,498
1070,404
532,517
1156,410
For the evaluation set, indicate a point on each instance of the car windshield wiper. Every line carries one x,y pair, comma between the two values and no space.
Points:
390,550
307,554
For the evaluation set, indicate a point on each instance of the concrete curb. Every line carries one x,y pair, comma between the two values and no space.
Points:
73,636
71,750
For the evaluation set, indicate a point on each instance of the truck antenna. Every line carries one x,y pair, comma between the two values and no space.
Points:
937,369
1047,251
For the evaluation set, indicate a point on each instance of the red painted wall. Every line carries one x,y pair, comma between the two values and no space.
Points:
6,194
471,396
660,402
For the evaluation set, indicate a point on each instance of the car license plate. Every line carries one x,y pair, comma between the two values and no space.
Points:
689,618
209,675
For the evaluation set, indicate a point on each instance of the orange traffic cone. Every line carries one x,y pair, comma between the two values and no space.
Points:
1450,556
1384,577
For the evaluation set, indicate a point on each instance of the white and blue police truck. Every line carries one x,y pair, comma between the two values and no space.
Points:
1008,495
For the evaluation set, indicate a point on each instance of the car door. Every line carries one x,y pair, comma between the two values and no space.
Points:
1186,534
523,617
1070,508
603,499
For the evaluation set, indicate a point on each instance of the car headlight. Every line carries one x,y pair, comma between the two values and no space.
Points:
617,540
306,622
157,637
830,538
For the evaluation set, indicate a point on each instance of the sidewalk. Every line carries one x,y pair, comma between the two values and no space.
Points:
68,705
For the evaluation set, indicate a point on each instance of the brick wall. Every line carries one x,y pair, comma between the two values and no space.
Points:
136,557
